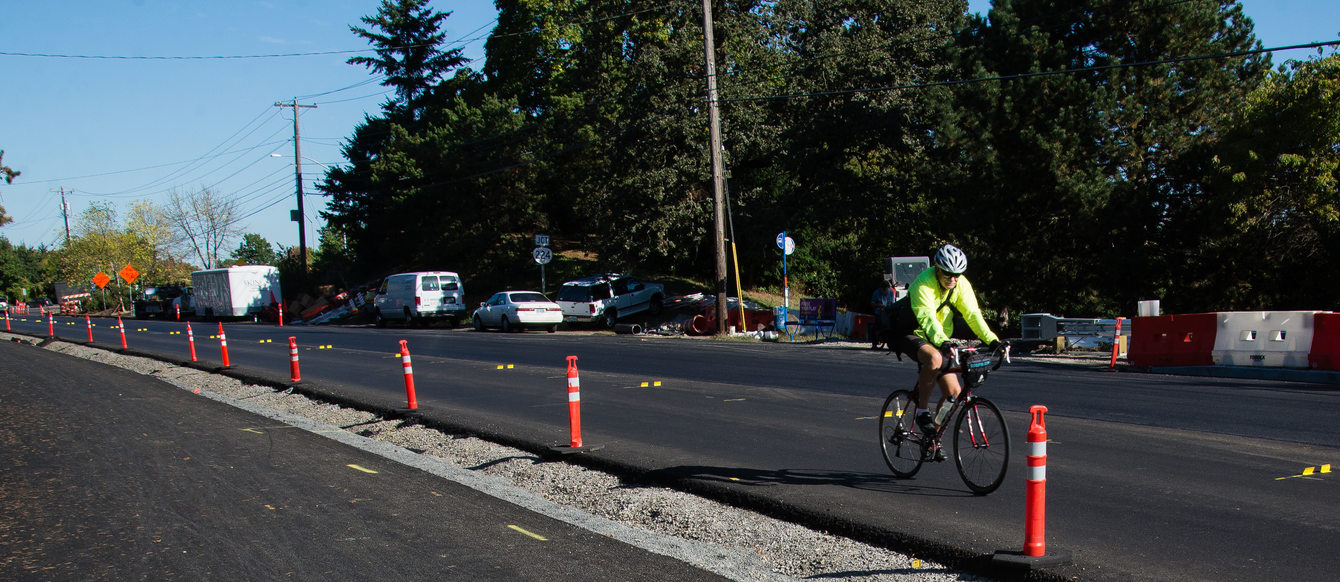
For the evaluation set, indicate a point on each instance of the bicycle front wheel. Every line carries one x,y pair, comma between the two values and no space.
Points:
981,446
898,437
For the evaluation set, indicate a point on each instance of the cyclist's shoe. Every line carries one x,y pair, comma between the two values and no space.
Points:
933,452
926,423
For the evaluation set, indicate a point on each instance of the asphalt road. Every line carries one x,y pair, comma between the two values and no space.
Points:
111,475
1150,477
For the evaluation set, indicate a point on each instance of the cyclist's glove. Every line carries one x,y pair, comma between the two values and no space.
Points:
995,346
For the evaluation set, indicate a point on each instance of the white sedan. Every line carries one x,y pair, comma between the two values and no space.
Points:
515,310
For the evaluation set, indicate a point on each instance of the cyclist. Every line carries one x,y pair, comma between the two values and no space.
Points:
934,297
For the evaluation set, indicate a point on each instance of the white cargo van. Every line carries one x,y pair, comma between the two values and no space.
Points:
417,297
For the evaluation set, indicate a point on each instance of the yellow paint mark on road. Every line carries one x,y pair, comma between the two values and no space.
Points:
262,429
1309,472
363,469
531,534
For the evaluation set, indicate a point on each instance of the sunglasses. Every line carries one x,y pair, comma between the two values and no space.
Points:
948,274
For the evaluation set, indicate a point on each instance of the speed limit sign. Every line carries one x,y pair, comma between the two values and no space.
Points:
542,255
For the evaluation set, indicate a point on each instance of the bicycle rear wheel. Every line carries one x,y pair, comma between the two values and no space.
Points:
898,436
981,446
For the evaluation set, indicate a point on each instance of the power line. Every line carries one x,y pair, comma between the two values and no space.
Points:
1015,76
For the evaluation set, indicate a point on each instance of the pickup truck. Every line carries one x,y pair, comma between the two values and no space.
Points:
608,297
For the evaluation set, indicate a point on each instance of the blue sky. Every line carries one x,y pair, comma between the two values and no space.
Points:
124,129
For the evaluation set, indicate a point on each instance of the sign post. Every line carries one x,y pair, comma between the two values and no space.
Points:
542,255
129,274
788,246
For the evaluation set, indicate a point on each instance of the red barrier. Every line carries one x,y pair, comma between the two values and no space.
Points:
294,375
574,404
1173,340
1325,351
89,323
1035,508
122,327
190,338
223,345
409,376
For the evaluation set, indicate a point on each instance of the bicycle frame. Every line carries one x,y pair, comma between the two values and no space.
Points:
981,438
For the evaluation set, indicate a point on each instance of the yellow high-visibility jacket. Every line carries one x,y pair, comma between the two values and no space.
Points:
931,306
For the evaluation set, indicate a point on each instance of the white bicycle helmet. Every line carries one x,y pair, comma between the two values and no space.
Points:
951,259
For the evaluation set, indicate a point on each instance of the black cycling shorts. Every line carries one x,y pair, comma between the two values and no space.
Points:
908,345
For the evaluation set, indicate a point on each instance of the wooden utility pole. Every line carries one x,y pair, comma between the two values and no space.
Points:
65,212
718,173
300,217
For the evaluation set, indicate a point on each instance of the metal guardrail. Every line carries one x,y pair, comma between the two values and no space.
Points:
1046,326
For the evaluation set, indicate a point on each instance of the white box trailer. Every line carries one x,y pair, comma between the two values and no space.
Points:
235,291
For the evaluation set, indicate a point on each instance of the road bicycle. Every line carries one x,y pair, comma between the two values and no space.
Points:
981,446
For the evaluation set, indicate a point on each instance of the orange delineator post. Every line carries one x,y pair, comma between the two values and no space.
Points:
1116,344
178,306
190,338
7,320
51,325
413,403
223,345
574,403
1035,508
89,323
294,375
122,327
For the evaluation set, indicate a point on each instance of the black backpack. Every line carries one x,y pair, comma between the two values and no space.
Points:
903,322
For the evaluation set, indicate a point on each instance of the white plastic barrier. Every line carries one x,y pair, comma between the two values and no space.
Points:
1274,339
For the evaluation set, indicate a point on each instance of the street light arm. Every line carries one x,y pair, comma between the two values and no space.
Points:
328,168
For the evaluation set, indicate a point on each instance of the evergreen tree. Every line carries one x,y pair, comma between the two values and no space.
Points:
254,250
1060,176
410,53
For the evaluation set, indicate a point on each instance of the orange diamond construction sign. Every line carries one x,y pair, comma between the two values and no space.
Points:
101,280
129,274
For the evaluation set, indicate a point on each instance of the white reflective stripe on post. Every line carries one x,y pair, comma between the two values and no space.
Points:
574,397
1037,460
1037,448
573,383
